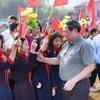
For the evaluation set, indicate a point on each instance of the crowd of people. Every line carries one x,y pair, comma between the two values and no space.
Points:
45,65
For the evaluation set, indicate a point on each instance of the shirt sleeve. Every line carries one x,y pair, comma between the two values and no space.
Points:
26,66
59,56
4,36
87,54
96,58
6,65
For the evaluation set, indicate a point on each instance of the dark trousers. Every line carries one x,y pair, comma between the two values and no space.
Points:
93,77
98,70
11,85
80,91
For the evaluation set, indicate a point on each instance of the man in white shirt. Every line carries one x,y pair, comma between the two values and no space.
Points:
86,34
93,33
6,34
14,34
13,30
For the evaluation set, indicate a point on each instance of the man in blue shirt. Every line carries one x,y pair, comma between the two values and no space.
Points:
96,46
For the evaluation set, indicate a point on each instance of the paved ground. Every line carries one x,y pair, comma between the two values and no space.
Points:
95,95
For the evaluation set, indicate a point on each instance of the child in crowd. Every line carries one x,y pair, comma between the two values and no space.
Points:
41,75
24,89
5,64
55,44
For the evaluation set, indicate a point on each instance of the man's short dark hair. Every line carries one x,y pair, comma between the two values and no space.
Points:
13,26
72,24
12,17
93,30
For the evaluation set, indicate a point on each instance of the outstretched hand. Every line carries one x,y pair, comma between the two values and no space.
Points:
49,20
45,40
45,43
40,57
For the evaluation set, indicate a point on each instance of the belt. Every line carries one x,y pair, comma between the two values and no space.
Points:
79,81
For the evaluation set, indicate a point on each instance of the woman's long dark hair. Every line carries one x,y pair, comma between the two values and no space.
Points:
39,27
52,37
2,40
38,40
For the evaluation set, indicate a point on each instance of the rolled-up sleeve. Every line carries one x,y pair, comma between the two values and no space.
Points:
58,56
87,54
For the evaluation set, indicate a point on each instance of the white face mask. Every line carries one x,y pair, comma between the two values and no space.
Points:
15,35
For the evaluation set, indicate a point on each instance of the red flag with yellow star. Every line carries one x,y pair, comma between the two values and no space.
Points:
56,26
20,9
83,29
22,26
32,3
91,9
82,14
60,3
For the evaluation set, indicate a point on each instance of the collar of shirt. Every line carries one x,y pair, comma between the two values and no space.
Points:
91,37
76,40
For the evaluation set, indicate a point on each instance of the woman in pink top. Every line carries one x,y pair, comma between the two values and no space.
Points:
30,35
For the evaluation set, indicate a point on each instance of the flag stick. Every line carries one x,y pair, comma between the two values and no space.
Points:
36,10
51,11
19,19
19,47
48,36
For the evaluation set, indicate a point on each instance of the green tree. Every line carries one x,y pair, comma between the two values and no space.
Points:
9,7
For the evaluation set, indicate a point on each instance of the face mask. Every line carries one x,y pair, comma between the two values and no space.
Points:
15,35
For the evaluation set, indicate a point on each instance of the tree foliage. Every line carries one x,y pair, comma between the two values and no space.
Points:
9,7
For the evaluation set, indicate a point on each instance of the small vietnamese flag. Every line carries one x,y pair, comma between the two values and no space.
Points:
55,26
83,29
20,9
32,3
82,14
60,3
22,26
91,9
